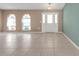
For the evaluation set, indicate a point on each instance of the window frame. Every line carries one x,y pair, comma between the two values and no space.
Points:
28,18
9,24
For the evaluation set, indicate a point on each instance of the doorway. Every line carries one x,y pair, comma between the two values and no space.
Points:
49,22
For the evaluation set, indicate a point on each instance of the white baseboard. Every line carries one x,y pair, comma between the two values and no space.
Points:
76,46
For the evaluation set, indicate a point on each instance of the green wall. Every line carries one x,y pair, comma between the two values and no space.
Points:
71,22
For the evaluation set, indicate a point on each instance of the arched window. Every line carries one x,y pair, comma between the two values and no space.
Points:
26,22
11,22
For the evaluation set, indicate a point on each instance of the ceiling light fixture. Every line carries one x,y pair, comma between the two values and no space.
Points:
49,6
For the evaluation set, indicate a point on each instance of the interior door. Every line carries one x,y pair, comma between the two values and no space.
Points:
49,22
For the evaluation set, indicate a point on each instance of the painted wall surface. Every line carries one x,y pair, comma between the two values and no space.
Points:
0,21
71,22
36,19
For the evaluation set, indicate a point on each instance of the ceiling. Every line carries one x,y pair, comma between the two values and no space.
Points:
31,6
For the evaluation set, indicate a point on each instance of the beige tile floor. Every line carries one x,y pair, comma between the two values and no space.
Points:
36,44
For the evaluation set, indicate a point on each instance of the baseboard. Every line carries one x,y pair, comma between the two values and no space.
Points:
76,46
30,32
59,32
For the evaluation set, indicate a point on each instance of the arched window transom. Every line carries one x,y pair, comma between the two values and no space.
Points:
11,22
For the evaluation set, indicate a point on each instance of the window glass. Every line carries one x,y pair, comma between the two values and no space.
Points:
49,18
11,22
43,17
56,21
26,21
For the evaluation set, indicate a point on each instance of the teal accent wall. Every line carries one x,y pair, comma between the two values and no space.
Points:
70,22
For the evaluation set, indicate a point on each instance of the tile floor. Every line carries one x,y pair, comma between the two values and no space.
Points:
36,44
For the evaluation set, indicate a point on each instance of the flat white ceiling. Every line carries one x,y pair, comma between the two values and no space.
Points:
31,6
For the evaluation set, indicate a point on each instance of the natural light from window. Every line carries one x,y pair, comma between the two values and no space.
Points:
49,18
26,22
11,22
